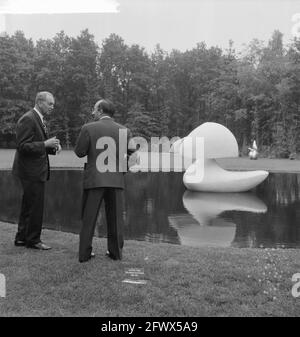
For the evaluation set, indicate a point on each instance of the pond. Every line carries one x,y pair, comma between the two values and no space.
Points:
158,208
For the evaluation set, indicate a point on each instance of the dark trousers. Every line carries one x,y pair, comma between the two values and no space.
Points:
31,215
92,199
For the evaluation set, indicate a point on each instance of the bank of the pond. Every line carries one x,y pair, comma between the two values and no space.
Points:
68,159
180,281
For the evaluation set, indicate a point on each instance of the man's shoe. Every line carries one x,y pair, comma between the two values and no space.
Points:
91,256
110,255
40,246
20,243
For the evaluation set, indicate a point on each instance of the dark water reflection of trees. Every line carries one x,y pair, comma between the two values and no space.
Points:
280,226
153,199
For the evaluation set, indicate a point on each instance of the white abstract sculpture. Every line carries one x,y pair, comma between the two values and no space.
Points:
202,226
204,174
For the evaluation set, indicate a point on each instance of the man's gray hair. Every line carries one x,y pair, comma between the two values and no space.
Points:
42,96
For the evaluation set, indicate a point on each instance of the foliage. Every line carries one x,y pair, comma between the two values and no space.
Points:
255,94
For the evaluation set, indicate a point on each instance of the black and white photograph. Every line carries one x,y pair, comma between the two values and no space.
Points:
149,161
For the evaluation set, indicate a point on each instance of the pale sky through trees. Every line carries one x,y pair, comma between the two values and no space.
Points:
174,24
58,6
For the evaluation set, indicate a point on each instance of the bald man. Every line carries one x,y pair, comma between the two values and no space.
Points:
31,166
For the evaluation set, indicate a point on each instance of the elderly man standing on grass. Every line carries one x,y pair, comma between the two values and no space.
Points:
31,165
105,143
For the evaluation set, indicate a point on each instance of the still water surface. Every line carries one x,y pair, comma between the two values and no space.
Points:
158,208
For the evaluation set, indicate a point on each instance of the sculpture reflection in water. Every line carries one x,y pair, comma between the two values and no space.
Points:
209,230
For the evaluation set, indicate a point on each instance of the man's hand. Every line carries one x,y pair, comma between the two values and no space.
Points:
58,149
134,159
52,142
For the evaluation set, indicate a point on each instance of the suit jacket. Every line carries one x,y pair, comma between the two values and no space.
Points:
31,160
106,164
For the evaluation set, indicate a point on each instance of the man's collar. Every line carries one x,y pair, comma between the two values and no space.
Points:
40,115
104,117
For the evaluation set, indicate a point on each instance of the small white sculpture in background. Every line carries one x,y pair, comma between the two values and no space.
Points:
253,153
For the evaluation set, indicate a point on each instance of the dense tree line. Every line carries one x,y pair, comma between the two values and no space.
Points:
255,94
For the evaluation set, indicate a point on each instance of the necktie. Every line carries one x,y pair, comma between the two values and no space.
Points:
45,127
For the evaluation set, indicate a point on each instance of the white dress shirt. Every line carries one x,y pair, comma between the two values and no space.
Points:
59,148
40,115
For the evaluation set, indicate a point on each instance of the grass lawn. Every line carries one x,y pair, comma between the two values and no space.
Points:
180,281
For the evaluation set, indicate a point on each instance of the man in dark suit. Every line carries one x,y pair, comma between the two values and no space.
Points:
105,143
31,165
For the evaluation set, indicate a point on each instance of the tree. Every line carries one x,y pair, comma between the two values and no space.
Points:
140,122
16,65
